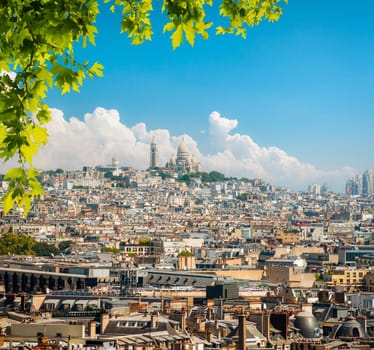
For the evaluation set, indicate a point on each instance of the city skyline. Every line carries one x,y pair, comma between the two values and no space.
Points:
102,136
293,99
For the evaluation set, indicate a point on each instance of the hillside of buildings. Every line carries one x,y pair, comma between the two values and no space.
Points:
117,258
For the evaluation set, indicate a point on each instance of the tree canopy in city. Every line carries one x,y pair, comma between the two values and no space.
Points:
12,243
38,39
22,244
213,176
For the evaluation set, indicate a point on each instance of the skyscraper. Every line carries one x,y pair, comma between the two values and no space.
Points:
315,189
368,182
351,187
325,187
153,154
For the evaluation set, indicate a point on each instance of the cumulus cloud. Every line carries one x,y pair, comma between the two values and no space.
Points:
95,140
102,135
241,156
219,128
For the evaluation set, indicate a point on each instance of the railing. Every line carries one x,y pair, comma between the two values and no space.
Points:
70,292
61,313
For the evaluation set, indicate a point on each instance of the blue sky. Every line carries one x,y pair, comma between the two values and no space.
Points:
303,84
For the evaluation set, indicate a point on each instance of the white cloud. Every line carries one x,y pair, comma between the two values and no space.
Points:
101,136
95,140
219,128
241,156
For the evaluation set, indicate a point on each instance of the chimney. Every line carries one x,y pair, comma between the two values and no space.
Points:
153,321
190,302
209,336
184,319
266,326
218,330
220,309
307,307
242,332
134,307
92,329
104,322
210,313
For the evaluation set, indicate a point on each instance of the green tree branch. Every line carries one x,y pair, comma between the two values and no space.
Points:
37,41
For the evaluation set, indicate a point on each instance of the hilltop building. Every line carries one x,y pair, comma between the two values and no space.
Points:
112,167
183,163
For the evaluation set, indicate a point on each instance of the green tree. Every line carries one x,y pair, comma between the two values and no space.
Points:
185,178
110,250
18,244
186,253
216,176
242,196
64,245
205,177
45,249
37,43
145,241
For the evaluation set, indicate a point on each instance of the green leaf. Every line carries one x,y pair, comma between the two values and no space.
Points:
97,69
177,37
43,115
190,33
37,41
168,27
25,202
3,133
65,88
8,202
242,32
15,173
28,151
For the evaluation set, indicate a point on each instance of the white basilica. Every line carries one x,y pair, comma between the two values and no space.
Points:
183,163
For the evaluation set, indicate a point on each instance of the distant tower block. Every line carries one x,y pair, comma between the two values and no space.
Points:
115,162
153,154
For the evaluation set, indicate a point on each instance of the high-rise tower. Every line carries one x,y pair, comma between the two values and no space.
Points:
368,183
153,154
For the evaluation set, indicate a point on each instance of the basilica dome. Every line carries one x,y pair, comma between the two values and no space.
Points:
182,154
